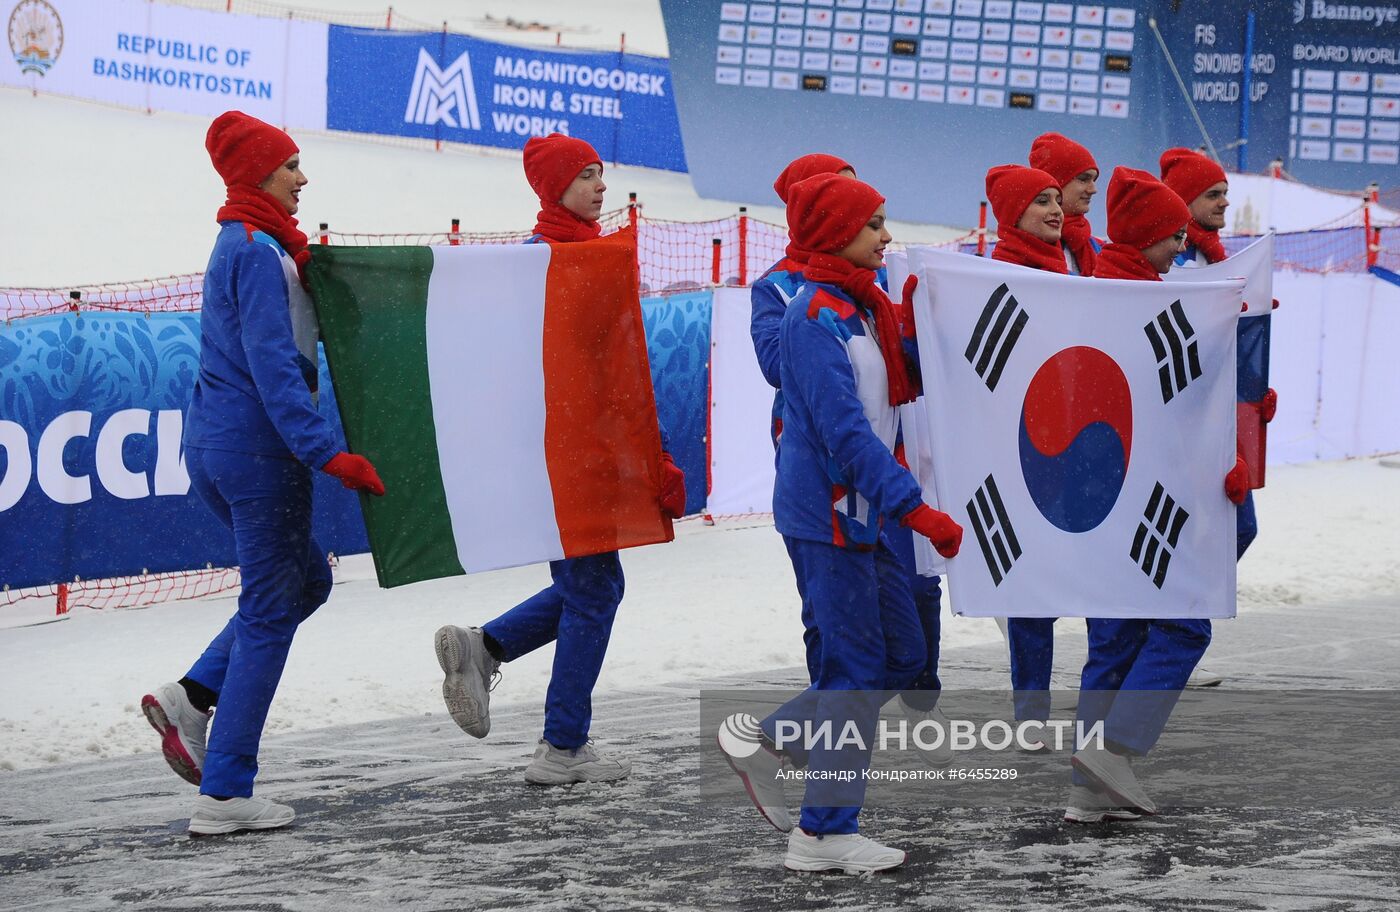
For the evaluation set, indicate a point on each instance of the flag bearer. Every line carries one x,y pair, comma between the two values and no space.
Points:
576,611
1152,659
252,438
770,296
843,376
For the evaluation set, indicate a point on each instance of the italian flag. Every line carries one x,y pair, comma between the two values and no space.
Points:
504,395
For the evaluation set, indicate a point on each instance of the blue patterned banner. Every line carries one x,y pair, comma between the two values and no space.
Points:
92,478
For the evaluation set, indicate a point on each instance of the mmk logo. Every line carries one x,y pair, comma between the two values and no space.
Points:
443,96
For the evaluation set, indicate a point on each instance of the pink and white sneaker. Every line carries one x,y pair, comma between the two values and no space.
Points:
182,728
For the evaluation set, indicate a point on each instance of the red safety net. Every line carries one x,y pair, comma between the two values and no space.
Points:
673,256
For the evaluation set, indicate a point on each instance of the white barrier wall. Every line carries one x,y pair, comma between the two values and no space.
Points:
741,408
1335,362
171,58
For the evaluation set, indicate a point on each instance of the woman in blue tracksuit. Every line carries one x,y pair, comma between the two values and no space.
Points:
577,609
843,375
770,296
252,438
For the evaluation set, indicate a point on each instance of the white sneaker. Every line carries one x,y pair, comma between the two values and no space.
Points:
468,667
741,741
556,766
1092,805
212,817
851,853
936,757
1204,677
1114,772
183,729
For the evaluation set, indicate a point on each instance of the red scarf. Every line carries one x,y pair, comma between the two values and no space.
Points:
860,284
258,209
1123,261
1078,236
1025,249
558,224
1206,241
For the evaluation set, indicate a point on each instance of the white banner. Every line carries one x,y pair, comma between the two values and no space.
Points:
1336,367
1081,430
169,58
1254,264
741,408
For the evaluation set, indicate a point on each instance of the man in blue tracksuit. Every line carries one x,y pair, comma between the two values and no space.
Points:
770,297
843,375
576,611
1203,185
252,437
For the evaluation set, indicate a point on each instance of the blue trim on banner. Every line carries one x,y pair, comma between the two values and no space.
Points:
1381,272
443,86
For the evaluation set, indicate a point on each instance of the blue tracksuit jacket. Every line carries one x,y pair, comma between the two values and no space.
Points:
256,391
837,475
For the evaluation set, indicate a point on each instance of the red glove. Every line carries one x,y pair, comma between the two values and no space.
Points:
1268,405
937,527
1237,482
672,487
355,472
906,307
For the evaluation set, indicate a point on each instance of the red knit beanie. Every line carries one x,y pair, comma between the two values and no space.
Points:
552,162
1011,188
799,169
1061,157
245,150
1189,173
826,212
1142,210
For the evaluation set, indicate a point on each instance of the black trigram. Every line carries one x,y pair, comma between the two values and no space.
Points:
1157,534
1174,343
997,330
993,528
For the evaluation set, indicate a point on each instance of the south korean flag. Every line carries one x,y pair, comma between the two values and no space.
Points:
1081,432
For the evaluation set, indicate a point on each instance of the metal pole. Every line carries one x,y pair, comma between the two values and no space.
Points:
1247,88
1181,84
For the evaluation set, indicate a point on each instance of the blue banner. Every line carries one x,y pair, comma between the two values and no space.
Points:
451,87
92,479
678,347
923,96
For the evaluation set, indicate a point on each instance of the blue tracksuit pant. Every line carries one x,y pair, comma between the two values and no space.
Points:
1032,643
576,613
266,501
923,692
871,642
1134,674
1246,525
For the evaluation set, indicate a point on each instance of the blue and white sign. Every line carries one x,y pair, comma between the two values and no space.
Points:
170,58
460,89
92,475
